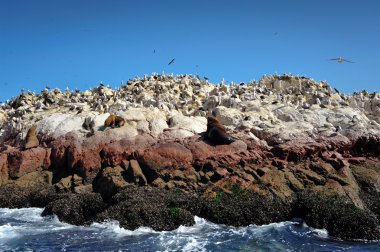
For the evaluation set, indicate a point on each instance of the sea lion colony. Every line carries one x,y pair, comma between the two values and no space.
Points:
267,105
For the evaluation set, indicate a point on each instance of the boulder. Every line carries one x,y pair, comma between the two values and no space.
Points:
110,181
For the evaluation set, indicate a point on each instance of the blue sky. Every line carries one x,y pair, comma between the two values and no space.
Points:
78,43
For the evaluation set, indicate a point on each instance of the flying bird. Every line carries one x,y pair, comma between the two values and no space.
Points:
172,61
341,60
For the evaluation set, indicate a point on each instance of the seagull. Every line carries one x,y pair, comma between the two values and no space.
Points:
341,60
172,61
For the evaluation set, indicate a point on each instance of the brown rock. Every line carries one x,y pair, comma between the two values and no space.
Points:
23,162
35,178
294,183
110,181
68,184
159,182
276,182
113,153
321,168
169,156
203,151
314,177
368,178
81,189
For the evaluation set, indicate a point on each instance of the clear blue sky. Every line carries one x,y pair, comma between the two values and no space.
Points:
78,43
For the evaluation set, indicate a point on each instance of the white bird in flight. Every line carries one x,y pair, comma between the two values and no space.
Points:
341,60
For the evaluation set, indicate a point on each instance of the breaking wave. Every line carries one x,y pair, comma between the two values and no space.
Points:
25,230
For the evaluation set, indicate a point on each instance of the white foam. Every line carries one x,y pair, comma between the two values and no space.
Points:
113,227
24,214
8,232
195,245
322,233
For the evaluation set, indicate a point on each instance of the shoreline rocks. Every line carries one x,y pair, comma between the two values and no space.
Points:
289,158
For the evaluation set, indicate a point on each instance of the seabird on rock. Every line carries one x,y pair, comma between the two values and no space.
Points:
341,60
206,78
172,61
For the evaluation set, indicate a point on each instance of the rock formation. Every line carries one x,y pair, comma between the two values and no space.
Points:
288,158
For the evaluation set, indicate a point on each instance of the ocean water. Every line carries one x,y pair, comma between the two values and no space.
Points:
25,230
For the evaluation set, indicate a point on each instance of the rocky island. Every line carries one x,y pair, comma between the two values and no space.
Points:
144,154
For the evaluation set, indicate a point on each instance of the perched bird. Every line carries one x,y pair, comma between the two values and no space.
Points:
206,78
341,60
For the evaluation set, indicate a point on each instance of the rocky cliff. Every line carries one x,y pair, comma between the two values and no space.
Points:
302,150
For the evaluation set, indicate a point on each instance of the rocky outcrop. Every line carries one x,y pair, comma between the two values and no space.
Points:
300,150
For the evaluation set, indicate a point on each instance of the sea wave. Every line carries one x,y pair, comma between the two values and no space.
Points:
26,230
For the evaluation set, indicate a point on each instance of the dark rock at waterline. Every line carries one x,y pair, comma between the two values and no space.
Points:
77,209
338,215
146,206
242,208
13,196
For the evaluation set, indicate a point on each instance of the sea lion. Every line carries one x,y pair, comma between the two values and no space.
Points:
114,121
216,133
31,138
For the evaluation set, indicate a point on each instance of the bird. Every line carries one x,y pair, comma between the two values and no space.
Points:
154,50
172,61
338,128
206,78
341,60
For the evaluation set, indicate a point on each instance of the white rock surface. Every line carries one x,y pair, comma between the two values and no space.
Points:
276,105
